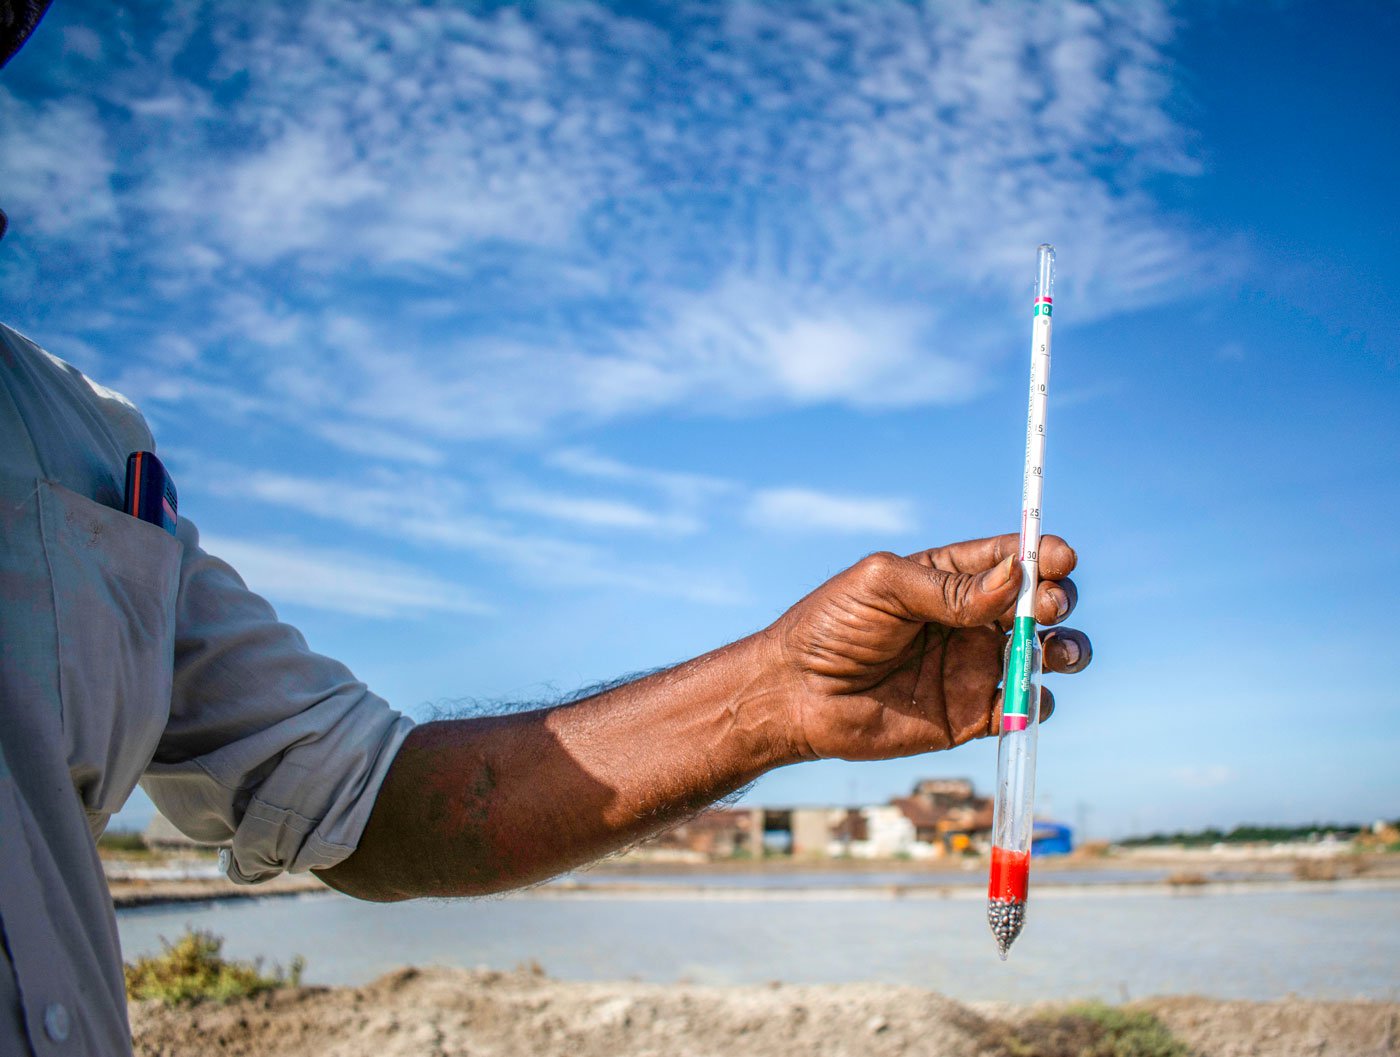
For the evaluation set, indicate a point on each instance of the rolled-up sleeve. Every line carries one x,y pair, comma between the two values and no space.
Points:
270,748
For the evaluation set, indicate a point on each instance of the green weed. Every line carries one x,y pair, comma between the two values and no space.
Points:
123,842
1093,1030
193,969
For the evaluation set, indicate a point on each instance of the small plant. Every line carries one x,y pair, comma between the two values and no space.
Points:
193,969
1094,1030
124,842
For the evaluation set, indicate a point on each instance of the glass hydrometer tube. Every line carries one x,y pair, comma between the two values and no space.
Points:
1020,721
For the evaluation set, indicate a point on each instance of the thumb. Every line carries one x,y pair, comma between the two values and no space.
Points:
959,600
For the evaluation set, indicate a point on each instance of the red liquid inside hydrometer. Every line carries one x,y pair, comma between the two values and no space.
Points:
1011,875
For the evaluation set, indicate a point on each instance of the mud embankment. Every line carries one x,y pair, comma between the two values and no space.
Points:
453,1013
128,892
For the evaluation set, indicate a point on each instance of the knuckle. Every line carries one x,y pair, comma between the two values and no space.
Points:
877,568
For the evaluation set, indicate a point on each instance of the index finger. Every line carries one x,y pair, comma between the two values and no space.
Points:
1055,561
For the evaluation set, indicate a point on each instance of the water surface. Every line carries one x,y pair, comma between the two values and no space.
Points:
1324,942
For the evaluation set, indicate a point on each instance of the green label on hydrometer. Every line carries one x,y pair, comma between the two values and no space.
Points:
1017,694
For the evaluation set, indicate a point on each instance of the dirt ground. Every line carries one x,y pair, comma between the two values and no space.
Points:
1244,1029
455,1013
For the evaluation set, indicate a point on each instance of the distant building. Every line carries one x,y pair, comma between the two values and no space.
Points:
850,825
940,816
947,814
945,792
720,833
922,815
811,831
889,834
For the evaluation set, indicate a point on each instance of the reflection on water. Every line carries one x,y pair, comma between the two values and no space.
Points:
974,876
1318,943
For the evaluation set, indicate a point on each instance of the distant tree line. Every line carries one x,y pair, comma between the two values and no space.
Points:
1248,834
122,840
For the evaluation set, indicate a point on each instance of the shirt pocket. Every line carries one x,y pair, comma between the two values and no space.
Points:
115,581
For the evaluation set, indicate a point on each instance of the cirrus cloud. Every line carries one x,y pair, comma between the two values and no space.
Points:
534,220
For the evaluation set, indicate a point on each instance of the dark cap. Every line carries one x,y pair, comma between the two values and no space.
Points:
17,20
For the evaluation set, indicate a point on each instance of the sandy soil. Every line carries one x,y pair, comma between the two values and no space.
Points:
1243,1029
454,1013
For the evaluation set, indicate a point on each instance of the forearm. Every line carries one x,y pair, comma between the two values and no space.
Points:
475,806
891,657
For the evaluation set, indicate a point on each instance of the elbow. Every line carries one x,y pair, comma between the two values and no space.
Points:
373,886
352,883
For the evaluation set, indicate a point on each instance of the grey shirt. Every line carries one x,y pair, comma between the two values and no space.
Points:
126,655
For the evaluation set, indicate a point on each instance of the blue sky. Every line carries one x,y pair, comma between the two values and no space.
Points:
509,349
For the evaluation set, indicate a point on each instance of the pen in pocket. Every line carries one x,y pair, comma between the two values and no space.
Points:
150,493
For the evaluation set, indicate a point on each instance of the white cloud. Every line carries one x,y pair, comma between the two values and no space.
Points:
594,512
340,581
689,488
80,40
405,142
743,206
1204,776
804,510
438,513
442,513
736,349
386,445
56,170
751,342
297,194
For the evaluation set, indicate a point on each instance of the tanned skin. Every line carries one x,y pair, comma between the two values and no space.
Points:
894,656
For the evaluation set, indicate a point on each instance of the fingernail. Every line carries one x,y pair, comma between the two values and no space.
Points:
1061,604
1071,648
1001,575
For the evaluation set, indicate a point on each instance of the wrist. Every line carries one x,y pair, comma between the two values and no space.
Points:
773,698
735,703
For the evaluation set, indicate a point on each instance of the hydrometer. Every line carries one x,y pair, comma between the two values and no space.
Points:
1020,718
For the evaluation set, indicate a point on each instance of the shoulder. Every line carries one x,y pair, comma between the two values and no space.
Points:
35,375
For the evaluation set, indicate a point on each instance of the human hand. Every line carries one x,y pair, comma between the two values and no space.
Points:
897,656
